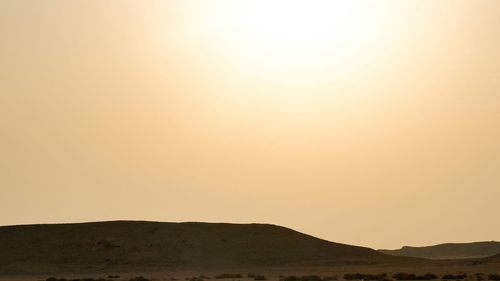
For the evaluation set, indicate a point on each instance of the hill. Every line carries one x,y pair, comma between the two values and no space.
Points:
449,250
137,245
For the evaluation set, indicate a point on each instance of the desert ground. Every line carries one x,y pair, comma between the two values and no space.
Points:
472,272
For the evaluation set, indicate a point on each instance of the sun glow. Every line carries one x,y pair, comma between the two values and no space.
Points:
290,40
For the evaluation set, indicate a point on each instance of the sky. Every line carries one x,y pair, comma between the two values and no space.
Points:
373,123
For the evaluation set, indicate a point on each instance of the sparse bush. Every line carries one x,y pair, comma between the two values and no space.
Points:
140,278
310,278
301,278
412,276
429,276
360,276
352,276
259,277
494,276
228,275
84,279
251,275
289,278
454,277
404,276
199,278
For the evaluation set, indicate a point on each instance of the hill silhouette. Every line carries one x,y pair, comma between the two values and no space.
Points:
138,245
449,250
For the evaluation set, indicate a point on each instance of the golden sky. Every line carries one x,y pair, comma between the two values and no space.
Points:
374,123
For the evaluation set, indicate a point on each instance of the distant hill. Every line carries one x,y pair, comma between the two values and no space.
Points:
136,245
449,250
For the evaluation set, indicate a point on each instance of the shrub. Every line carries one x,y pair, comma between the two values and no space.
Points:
404,276
139,278
87,279
360,276
289,278
494,276
454,277
199,278
310,278
228,275
353,276
307,278
411,276
259,277
429,276
301,278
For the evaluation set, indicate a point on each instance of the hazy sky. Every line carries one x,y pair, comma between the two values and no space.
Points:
374,123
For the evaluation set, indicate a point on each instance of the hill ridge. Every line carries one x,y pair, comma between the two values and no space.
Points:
479,249
119,244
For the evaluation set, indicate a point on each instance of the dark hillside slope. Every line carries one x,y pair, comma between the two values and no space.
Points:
492,259
137,245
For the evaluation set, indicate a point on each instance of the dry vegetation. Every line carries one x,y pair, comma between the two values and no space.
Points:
110,278
399,276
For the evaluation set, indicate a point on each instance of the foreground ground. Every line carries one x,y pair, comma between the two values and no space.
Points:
272,274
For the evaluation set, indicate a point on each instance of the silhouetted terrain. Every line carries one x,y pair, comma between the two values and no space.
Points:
449,250
135,245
